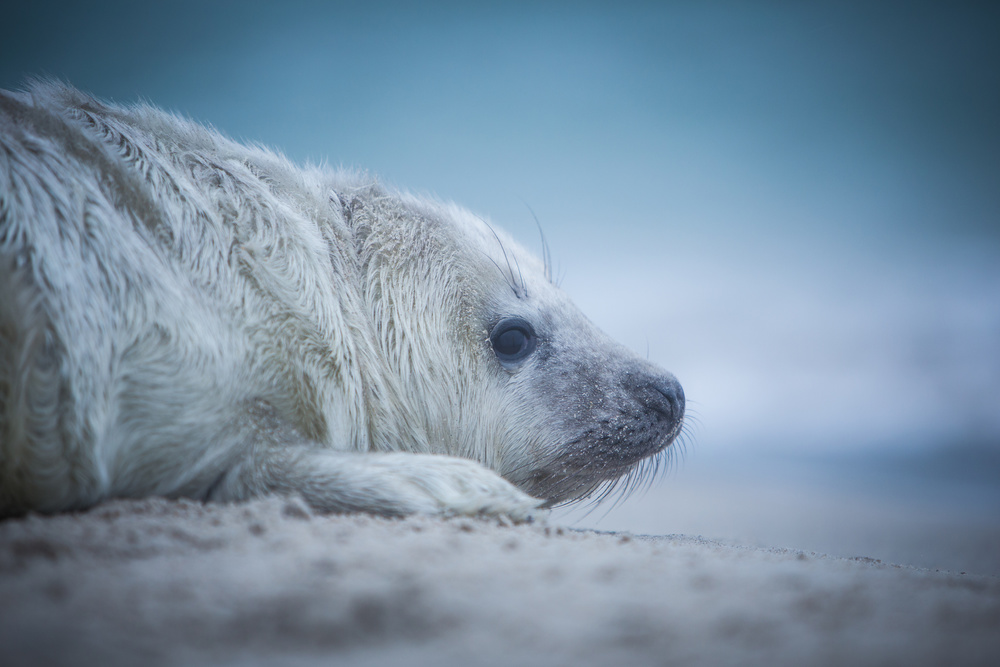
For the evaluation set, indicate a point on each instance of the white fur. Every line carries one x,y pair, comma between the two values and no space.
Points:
183,315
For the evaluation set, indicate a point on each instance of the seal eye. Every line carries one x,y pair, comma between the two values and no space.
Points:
513,340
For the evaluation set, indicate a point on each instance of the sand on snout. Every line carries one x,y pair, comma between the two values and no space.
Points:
163,582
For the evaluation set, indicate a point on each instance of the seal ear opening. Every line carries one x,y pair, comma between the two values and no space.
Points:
513,340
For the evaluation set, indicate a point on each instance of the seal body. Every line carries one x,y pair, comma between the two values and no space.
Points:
182,315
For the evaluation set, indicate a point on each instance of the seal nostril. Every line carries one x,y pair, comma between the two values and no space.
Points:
671,397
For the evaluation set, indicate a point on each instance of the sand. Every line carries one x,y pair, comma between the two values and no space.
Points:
160,582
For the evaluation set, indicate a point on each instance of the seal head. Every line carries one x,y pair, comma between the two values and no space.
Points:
508,370
596,410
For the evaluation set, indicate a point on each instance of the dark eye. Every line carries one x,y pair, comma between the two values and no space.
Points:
513,340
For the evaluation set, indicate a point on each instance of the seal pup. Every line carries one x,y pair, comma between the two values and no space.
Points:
182,315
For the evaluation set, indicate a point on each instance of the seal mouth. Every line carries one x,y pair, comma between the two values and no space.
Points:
587,464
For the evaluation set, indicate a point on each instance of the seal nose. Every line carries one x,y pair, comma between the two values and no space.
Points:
668,397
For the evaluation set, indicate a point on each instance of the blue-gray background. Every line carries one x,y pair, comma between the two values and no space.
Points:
793,206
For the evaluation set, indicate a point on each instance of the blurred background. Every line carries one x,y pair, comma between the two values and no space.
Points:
795,207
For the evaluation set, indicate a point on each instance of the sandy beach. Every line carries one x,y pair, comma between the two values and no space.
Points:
159,582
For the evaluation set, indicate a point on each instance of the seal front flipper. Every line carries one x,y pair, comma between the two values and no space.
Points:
389,484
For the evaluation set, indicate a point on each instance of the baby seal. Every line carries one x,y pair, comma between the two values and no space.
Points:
185,316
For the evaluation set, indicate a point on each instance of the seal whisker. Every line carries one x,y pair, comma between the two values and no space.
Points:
506,258
524,287
546,254
513,287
